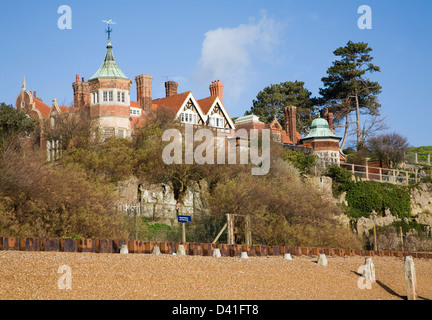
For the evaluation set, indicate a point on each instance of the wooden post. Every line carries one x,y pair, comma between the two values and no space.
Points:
428,160
367,168
375,238
410,278
230,226
352,169
183,232
380,174
416,175
401,237
406,177
416,158
248,233
369,271
220,232
394,176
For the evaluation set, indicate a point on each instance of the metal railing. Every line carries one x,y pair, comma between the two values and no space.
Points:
365,172
418,158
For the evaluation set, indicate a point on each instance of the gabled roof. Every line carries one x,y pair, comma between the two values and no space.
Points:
174,102
42,107
206,104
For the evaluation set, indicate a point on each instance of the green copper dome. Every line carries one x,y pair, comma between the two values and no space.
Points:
320,129
109,68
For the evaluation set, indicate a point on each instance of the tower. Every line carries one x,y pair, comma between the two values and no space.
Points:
109,95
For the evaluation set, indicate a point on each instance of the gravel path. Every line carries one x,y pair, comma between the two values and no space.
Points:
34,275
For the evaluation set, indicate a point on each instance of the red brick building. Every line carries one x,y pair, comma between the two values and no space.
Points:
107,98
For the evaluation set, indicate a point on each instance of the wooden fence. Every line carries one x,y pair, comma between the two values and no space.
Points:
367,172
195,249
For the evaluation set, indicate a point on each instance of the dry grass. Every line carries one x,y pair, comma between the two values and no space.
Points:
33,276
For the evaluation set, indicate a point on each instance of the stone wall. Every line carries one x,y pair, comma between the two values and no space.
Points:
157,200
421,204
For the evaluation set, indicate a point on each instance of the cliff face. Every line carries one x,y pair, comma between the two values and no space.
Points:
421,199
421,206
157,201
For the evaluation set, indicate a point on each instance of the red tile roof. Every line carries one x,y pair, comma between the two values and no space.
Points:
274,126
206,103
135,104
42,107
66,109
173,102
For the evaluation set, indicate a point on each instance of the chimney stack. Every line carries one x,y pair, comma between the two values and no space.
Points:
216,89
330,122
171,88
291,123
328,116
81,93
144,91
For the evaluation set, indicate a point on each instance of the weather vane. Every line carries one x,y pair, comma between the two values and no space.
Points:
109,30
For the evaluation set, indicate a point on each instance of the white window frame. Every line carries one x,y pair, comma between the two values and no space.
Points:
217,121
189,116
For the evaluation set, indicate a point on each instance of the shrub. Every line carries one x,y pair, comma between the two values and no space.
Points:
283,209
368,196
303,162
341,178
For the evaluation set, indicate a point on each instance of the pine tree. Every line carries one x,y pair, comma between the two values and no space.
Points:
270,102
347,88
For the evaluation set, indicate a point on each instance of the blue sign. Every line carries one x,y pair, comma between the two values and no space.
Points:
184,219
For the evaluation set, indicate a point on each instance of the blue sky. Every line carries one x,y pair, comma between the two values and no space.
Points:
248,45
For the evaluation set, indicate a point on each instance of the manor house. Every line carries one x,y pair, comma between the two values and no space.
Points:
106,97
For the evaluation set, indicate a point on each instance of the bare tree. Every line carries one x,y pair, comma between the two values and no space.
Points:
389,148
371,126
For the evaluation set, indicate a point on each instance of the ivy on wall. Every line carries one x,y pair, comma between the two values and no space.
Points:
363,197
368,196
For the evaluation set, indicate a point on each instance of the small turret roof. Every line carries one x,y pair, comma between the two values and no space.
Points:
109,68
320,129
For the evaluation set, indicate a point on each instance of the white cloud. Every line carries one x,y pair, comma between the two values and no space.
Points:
230,54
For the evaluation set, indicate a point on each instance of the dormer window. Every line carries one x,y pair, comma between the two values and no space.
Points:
188,117
217,121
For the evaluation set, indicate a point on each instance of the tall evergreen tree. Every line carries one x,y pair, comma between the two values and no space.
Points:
270,102
347,88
